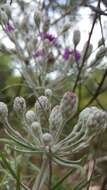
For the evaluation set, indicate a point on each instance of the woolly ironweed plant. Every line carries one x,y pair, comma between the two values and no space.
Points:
40,53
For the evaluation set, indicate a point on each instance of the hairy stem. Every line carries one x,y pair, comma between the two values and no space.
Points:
41,177
50,170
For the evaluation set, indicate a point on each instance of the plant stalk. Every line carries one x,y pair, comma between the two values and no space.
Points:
41,177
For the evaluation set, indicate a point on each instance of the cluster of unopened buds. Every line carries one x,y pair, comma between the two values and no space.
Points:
44,125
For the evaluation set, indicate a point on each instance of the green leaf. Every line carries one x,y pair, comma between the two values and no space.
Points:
67,164
34,167
68,161
19,141
6,163
18,179
63,179
8,166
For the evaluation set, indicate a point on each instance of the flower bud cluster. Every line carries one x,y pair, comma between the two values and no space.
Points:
91,120
42,115
45,123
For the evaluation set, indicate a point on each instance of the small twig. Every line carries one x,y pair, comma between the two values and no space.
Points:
98,89
97,10
84,57
98,102
79,96
102,30
11,1
68,12
86,50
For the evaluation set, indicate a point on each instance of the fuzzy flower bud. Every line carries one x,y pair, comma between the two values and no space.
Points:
30,45
101,53
42,103
37,131
42,106
68,105
30,116
3,17
76,37
3,111
48,93
55,119
90,48
65,28
47,139
46,25
94,119
24,25
7,9
35,127
37,18
19,105
100,42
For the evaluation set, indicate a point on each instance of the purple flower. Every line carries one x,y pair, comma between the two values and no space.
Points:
9,28
50,37
50,59
67,53
39,53
77,55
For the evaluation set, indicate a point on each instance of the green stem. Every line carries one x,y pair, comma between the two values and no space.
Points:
50,170
41,177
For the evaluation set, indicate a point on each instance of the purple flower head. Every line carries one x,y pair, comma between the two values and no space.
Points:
67,53
50,37
50,59
77,55
9,28
39,53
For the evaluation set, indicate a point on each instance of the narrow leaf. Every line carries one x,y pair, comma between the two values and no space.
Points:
63,179
18,179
